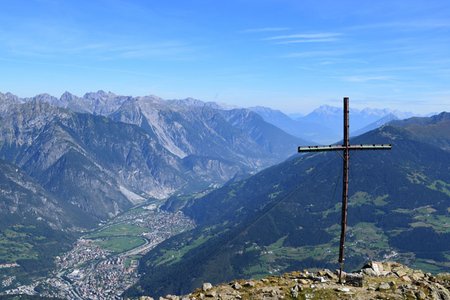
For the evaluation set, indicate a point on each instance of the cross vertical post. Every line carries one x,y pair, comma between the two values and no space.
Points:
345,147
345,188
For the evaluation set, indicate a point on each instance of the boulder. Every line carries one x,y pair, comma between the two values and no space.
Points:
384,286
249,284
421,295
206,286
236,286
211,294
354,279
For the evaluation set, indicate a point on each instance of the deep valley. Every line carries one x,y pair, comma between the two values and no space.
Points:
107,196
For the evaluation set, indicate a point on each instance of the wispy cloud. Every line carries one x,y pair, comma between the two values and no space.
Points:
101,50
304,38
307,41
49,40
322,35
79,66
364,78
167,49
405,25
322,54
264,29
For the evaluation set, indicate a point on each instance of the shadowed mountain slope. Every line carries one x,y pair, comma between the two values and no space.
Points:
287,217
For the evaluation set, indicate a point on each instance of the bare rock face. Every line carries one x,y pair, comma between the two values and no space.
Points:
378,280
104,153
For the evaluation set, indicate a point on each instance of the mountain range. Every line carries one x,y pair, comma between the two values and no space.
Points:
324,124
70,163
144,147
287,216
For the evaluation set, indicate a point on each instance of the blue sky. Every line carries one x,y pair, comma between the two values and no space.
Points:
290,55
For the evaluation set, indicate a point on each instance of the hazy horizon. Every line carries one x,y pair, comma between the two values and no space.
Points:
293,114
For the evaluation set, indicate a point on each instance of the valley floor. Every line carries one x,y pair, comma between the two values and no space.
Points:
103,263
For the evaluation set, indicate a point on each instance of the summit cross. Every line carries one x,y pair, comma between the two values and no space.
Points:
345,147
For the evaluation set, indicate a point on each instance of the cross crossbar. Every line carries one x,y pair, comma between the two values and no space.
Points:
346,147
342,147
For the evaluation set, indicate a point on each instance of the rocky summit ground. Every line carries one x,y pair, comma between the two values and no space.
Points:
376,280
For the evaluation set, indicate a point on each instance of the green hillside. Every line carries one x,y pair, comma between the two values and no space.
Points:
34,226
286,217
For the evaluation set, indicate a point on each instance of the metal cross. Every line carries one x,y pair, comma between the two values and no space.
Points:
346,147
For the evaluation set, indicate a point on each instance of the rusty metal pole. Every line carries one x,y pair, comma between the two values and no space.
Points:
345,147
344,189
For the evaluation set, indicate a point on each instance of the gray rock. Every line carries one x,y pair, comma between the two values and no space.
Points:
400,273
374,268
384,286
354,279
369,272
303,281
439,292
315,278
421,295
236,286
417,276
270,291
206,286
212,294
295,290
330,274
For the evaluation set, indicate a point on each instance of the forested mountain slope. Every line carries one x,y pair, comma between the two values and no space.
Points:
287,217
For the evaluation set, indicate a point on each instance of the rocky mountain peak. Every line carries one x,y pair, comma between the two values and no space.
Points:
36,106
189,102
375,111
44,97
264,109
67,96
8,95
442,117
100,94
327,110
7,100
376,280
